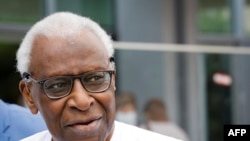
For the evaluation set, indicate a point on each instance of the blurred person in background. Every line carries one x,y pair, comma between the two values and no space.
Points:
157,120
126,109
16,122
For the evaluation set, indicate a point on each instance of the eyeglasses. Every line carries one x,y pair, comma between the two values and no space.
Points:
61,86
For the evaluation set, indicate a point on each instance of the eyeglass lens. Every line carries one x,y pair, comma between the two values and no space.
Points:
61,86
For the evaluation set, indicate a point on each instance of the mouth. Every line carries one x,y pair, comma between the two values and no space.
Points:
85,126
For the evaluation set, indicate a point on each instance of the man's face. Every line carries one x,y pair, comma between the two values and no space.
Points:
80,115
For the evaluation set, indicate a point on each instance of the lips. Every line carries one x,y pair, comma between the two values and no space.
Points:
83,122
83,127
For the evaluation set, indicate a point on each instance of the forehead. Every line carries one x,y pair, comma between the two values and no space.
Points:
66,55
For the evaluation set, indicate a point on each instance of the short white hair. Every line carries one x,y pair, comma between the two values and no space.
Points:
60,24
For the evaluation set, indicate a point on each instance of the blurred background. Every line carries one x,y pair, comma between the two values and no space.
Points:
203,89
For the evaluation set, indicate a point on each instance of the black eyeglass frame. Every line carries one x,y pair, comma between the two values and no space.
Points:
72,78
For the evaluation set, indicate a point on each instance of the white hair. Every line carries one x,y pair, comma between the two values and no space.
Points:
61,24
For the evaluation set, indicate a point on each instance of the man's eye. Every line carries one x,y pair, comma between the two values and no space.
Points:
95,78
57,86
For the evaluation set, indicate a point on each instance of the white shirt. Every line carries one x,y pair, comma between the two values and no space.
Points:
122,132
41,136
168,129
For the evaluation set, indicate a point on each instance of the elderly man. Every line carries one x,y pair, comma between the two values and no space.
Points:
66,62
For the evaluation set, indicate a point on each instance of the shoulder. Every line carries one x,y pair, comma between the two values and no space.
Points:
9,113
25,117
41,136
125,132
13,109
168,128
16,129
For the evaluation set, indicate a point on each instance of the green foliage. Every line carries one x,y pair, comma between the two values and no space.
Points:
16,11
214,20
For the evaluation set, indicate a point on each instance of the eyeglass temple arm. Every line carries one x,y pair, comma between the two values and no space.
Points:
112,59
25,75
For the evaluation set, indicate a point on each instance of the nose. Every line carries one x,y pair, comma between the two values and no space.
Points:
79,98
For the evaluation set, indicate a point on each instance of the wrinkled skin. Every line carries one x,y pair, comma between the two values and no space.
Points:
67,118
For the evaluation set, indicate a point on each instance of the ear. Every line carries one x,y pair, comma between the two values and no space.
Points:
24,88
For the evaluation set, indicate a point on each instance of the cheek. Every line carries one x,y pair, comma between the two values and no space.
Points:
111,108
50,110
107,101
37,94
53,114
